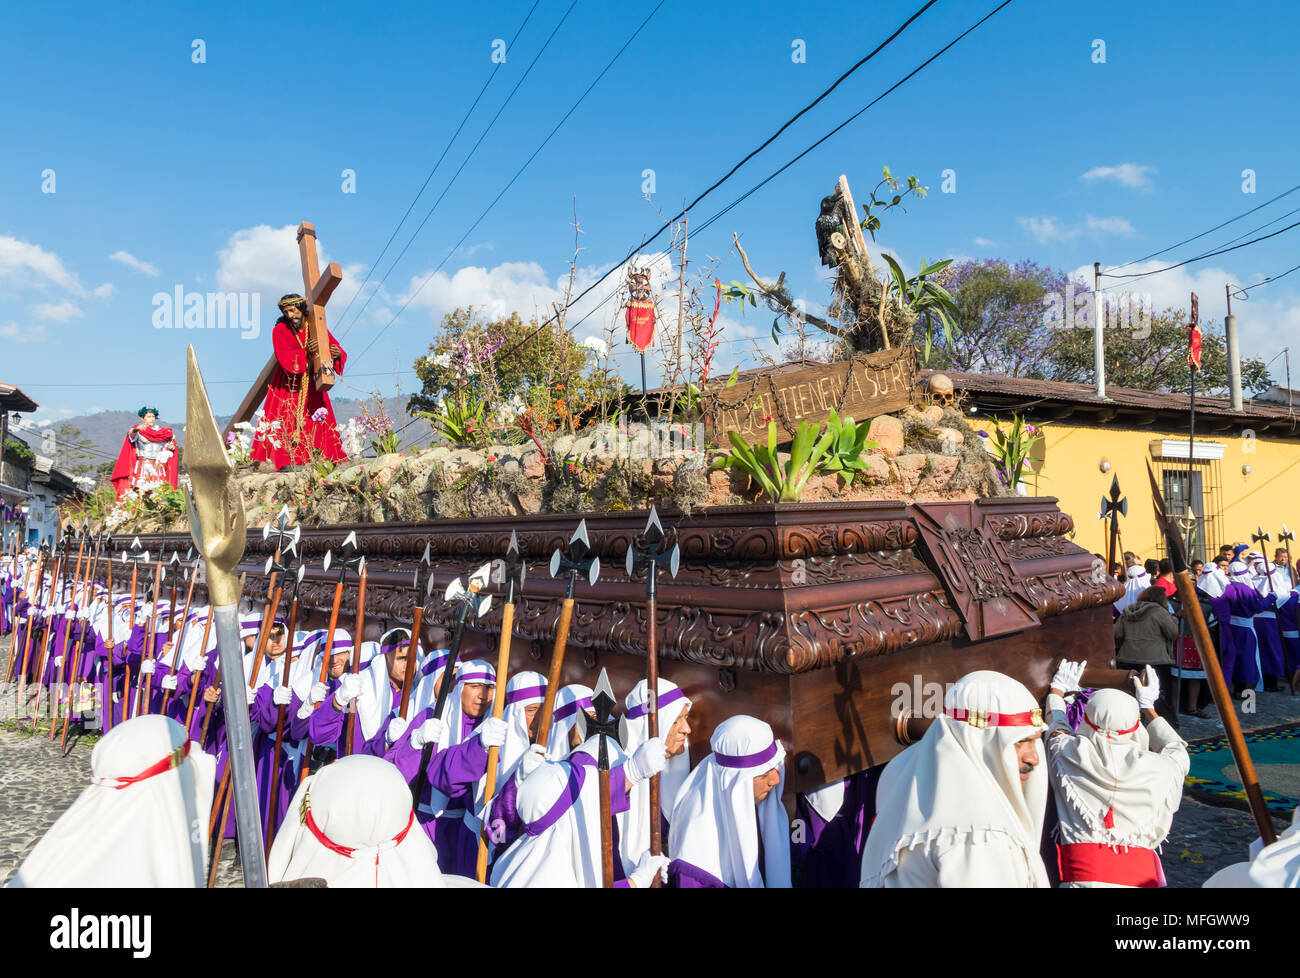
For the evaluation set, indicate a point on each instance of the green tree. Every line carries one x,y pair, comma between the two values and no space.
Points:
75,454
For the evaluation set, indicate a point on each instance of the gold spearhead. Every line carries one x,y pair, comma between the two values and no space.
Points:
216,509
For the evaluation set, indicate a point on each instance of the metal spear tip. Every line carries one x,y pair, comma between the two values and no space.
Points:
302,571
351,542
654,530
176,557
602,697
513,548
428,588
481,578
135,544
427,558
282,517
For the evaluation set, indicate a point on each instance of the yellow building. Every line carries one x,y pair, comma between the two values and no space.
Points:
1244,465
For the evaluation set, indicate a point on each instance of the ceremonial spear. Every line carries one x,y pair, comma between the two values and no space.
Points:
1259,536
350,559
470,601
81,641
57,691
136,556
515,568
1113,508
178,641
279,717
56,596
144,684
33,609
421,597
1286,536
357,636
653,556
605,724
11,673
576,561
217,524
1213,669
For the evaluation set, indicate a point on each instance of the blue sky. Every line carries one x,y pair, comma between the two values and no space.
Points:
174,174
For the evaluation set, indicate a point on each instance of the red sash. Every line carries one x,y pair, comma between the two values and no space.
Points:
1087,862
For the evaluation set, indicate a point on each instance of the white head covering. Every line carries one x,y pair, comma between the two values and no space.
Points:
716,825
961,779
151,832
1239,573
1138,581
1109,769
351,824
376,703
634,824
524,689
559,805
568,701
1212,580
1275,867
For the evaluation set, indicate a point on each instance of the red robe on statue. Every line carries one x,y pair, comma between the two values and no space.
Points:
287,403
147,468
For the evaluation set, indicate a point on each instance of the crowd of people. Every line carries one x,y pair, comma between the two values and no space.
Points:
357,791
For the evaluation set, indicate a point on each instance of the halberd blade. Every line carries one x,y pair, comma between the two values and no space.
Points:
295,535
302,572
455,591
630,563
329,556
674,560
481,577
270,562
594,573
483,606
555,563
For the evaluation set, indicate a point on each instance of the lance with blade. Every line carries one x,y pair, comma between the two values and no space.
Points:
178,641
348,560
1213,670
422,589
218,526
471,601
1286,536
578,561
1113,508
144,686
33,612
604,725
11,673
55,600
135,556
1259,536
56,694
654,555
357,635
515,569
73,676
279,716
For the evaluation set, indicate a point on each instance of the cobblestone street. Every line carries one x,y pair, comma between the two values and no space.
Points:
38,782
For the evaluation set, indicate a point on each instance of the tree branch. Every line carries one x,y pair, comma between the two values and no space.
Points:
772,293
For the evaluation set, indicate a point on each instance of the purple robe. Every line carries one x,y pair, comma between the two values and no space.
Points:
1236,608
830,855
1288,620
1272,660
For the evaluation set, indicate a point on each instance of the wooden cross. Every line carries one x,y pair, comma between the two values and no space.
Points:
317,289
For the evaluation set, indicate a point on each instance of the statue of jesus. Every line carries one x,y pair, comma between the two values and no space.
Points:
306,418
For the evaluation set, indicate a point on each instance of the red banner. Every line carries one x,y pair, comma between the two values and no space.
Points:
641,324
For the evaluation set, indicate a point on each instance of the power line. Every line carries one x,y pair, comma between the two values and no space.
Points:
1241,293
1156,254
1208,254
181,383
428,278
462,166
443,156
762,183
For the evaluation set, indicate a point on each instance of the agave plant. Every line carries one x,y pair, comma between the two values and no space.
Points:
782,483
848,443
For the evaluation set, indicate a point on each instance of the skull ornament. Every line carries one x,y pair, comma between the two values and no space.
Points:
939,388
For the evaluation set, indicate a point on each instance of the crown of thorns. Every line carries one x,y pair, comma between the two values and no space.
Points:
292,299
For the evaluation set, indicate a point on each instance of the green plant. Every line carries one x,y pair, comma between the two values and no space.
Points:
927,298
870,222
782,483
848,443
459,419
19,453
1011,448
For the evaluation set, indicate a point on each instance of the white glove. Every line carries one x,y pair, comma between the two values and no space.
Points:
281,696
316,694
532,759
432,731
492,732
349,689
648,760
58,661
169,682
146,667
650,866
1147,687
252,695
305,711
396,727
1067,676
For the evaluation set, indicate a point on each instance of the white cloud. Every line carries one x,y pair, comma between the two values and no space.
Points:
59,312
1126,174
105,290
22,334
265,259
984,242
130,261
1048,229
29,265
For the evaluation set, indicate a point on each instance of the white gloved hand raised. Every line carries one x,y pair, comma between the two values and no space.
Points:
1147,688
349,689
432,731
492,732
396,727
252,695
169,682
58,661
644,875
317,693
282,696
648,760
532,759
1067,676
147,667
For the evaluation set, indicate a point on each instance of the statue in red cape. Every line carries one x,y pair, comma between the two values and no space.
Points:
148,457
306,419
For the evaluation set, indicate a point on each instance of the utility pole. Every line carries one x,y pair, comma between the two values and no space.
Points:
1098,339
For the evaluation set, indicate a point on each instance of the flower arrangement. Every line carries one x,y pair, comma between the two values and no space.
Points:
1011,448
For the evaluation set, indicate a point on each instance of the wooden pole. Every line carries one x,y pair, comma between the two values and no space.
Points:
178,639
76,659
56,589
194,683
56,692
12,672
494,753
279,723
144,684
557,668
351,718
324,669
